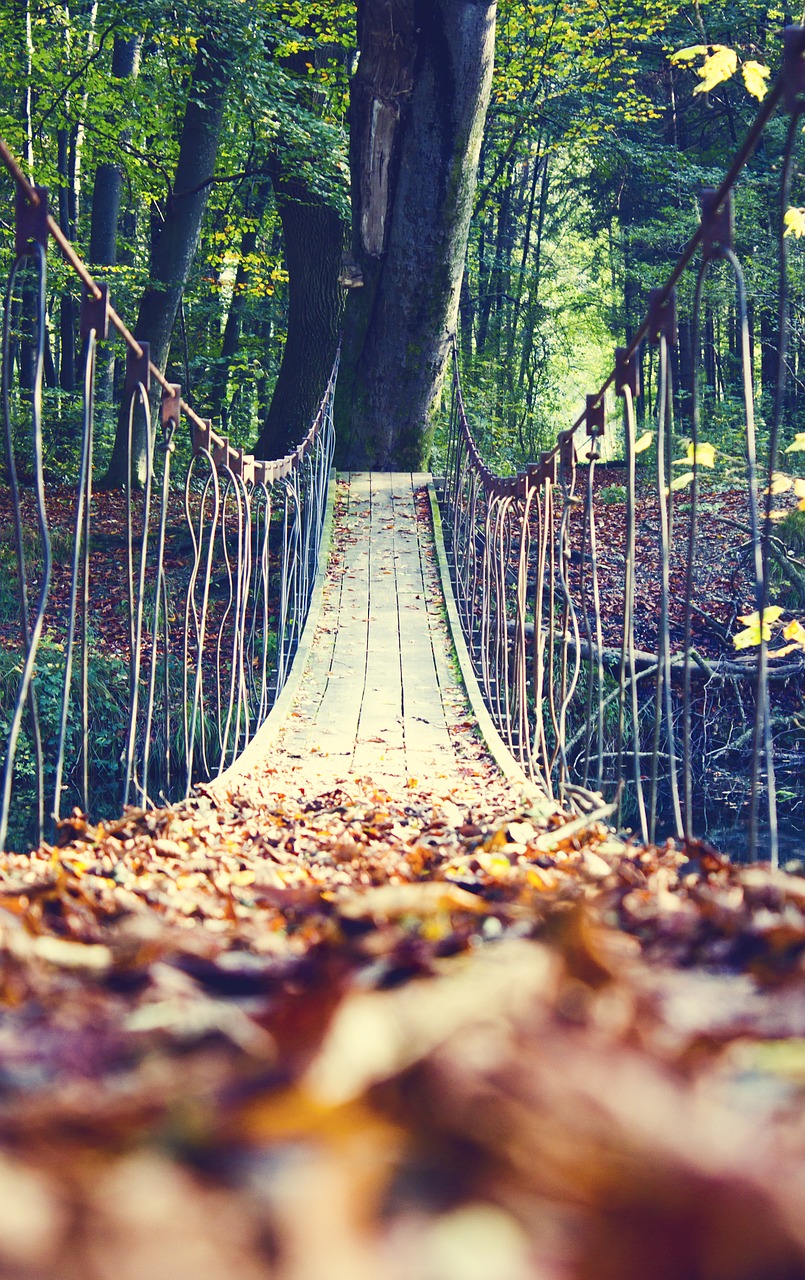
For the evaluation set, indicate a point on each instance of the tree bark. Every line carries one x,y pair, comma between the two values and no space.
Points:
313,236
105,208
419,100
175,246
108,180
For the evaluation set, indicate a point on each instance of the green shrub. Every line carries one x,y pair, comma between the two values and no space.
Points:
612,493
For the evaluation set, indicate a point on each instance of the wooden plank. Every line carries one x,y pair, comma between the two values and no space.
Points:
379,697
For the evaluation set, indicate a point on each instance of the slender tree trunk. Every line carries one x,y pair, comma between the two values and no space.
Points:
105,212
67,306
108,181
175,246
419,101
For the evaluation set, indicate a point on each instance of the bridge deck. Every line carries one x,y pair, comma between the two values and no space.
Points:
379,698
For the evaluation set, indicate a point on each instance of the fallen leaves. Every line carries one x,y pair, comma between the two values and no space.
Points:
414,1021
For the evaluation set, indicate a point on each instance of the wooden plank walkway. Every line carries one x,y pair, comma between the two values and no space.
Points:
379,698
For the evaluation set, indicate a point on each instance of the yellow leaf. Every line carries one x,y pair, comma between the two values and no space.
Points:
718,67
780,483
495,864
796,632
794,222
681,482
779,513
704,455
798,443
687,55
241,878
755,76
799,488
770,614
750,637
746,639
644,442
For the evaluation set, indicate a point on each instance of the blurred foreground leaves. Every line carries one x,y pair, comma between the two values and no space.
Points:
367,1035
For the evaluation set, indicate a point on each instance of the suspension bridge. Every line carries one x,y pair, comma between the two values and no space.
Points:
252,657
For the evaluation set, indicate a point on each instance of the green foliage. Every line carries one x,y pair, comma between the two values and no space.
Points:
612,493
791,532
108,704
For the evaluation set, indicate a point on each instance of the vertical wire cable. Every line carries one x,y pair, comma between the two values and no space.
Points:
197,720
540,641
136,589
80,568
762,740
627,662
166,447
690,566
30,632
663,704
783,329
570,623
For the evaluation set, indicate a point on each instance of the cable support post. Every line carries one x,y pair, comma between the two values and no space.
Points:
31,225
567,452
718,223
201,436
259,472
138,369
170,415
241,464
792,73
662,316
595,416
627,371
221,452
545,470
94,316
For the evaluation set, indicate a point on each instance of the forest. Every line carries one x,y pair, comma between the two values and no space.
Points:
402,640
255,195
200,160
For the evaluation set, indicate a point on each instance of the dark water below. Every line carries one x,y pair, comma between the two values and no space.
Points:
722,816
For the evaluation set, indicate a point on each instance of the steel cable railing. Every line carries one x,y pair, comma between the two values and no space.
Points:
210,644
574,707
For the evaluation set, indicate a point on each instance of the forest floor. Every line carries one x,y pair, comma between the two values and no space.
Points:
723,586
408,1031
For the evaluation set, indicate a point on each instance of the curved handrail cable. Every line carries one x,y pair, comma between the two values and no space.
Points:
541,600
218,645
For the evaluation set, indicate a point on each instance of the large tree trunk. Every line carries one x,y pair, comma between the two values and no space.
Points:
313,237
175,247
419,100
